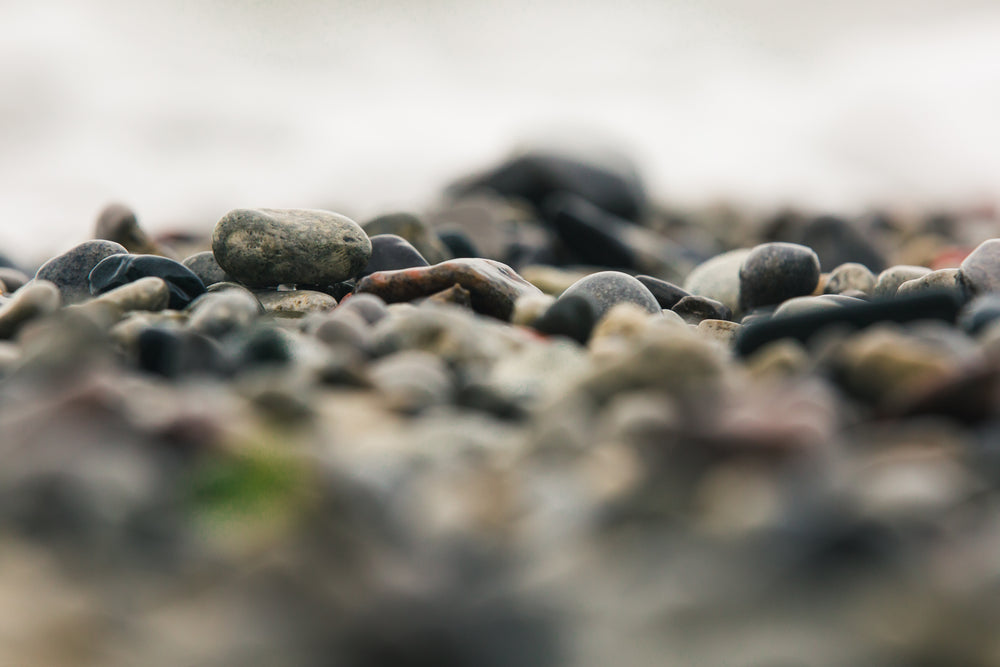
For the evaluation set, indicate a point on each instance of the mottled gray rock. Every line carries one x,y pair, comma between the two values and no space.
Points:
269,247
295,301
37,298
70,270
719,278
608,288
981,269
204,266
774,272
949,280
850,276
890,279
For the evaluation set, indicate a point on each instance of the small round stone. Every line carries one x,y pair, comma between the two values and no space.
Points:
774,272
119,270
270,247
890,279
850,276
204,266
391,252
118,223
608,288
572,316
981,269
70,270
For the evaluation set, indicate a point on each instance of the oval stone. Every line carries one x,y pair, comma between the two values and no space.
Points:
608,288
70,270
268,247
774,272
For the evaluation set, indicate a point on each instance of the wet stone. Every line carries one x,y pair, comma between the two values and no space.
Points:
204,266
694,309
70,270
119,270
413,230
608,288
774,272
391,252
981,269
35,299
270,247
850,276
666,294
493,287
889,280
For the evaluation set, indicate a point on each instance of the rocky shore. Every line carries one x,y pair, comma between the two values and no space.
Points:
547,422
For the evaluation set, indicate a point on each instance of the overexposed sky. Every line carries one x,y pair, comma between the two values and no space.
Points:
185,109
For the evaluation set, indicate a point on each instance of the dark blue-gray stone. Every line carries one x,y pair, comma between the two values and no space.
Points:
119,270
774,272
391,252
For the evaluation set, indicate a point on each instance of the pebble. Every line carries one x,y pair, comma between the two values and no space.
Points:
980,271
149,293
889,280
412,381
391,252
838,241
493,287
455,295
70,271
458,243
372,308
774,272
572,316
118,270
529,308
980,313
719,278
118,223
721,331
221,313
694,309
341,327
413,230
295,301
270,247
203,265
13,279
608,288
536,175
176,353
666,293
949,280
809,304
848,277
37,298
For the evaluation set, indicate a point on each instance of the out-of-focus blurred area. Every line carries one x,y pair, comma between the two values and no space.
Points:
185,109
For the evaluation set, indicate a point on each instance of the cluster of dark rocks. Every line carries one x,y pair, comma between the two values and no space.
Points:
546,422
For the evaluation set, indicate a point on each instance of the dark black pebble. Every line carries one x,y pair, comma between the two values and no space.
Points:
458,243
666,294
572,316
594,236
119,270
178,353
391,252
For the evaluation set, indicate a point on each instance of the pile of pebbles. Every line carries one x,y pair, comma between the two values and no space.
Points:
546,422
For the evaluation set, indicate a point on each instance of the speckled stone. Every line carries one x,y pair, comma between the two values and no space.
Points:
949,280
37,298
118,223
719,278
850,276
390,253
269,247
295,301
694,309
773,272
412,229
204,266
493,287
70,270
119,270
607,288
889,280
981,269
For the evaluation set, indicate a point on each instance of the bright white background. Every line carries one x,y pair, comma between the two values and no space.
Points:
187,108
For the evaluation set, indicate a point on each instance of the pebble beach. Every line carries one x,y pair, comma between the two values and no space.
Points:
545,421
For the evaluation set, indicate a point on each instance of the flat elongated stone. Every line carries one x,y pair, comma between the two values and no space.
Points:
890,279
70,270
694,309
268,247
149,293
493,287
295,301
